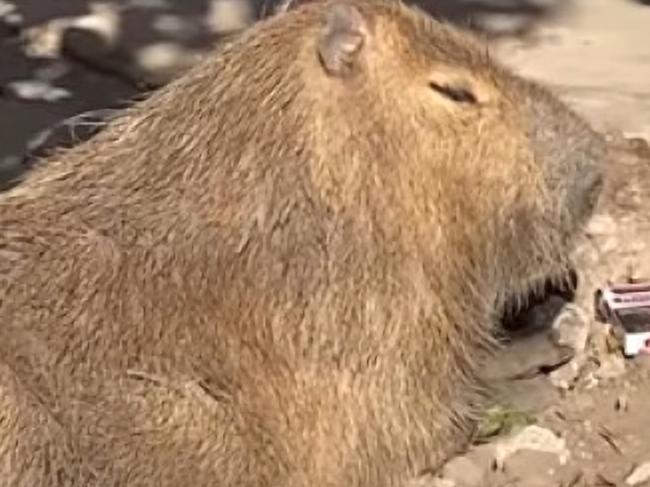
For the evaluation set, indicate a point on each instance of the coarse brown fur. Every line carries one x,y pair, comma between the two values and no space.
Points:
267,274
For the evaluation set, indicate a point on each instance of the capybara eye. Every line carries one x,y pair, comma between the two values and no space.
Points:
458,94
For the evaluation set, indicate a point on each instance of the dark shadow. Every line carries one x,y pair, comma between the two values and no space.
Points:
522,318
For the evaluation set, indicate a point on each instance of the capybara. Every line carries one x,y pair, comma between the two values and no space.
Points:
280,269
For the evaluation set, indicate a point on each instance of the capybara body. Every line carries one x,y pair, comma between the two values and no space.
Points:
279,269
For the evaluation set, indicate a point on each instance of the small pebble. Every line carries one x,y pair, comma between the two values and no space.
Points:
611,367
14,19
464,472
639,475
228,16
534,438
571,328
585,455
37,90
565,376
590,382
444,483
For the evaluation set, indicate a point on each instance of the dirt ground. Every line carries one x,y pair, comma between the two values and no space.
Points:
580,413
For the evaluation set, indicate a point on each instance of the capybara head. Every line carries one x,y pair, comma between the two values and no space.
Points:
414,121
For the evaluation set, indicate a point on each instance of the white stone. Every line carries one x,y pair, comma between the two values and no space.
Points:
639,475
533,438
228,15
464,472
38,90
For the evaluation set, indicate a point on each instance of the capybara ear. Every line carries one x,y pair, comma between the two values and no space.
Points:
343,35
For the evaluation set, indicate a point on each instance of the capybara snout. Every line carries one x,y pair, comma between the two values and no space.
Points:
572,153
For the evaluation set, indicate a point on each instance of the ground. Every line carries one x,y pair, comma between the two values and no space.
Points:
579,411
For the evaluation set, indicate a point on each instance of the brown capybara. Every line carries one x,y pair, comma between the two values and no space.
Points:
280,269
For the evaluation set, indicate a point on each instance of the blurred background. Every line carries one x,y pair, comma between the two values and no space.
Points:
82,59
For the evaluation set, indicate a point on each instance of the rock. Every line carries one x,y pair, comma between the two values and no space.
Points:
160,56
225,16
530,469
46,40
162,61
443,483
483,457
533,438
611,367
463,472
590,382
571,328
104,19
37,90
639,475
564,377
600,224
14,20
603,341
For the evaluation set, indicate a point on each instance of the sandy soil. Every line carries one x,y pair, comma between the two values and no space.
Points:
597,55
